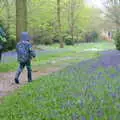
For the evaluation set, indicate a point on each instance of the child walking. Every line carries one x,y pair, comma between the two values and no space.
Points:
24,56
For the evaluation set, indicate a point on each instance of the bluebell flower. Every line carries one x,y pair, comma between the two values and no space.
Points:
114,95
110,118
94,98
75,116
91,118
113,76
83,118
117,68
100,73
81,103
100,113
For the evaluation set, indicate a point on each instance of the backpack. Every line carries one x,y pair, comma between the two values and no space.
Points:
22,52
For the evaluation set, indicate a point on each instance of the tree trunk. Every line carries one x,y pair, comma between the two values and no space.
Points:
72,19
21,17
8,15
59,24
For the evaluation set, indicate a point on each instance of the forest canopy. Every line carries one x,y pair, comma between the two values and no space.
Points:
48,21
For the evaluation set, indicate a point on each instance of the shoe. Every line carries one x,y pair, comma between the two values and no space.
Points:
16,81
29,81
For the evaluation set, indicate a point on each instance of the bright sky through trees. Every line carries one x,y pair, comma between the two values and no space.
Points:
95,3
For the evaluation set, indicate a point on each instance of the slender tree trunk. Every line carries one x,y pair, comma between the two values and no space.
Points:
21,17
59,24
8,15
72,19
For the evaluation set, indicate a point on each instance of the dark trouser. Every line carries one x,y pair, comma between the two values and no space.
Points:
0,55
20,69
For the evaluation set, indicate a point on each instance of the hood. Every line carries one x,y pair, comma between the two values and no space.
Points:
25,36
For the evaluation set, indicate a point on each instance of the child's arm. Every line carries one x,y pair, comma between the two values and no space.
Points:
32,52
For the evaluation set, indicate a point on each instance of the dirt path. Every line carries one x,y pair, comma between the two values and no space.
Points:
7,84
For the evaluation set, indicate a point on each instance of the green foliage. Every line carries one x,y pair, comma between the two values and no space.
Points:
91,36
46,18
10,38
4,67
117,40
42,20
43,17
68,40
95,36
11,43
43,35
